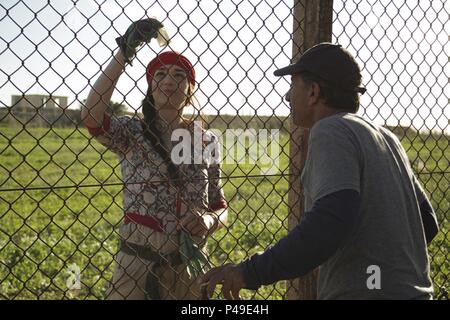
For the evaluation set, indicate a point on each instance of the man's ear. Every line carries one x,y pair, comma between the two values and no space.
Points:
314,93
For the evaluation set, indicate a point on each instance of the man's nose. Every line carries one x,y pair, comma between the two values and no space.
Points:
288,96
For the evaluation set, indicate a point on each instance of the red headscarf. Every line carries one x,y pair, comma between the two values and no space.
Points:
171,57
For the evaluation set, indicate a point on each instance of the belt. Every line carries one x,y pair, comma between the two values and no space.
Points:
151,283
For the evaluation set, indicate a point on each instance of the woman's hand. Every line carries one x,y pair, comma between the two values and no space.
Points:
198,223
137,34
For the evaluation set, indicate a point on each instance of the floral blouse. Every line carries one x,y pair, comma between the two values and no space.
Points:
148,197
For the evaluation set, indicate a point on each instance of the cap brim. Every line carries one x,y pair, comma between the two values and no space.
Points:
289,70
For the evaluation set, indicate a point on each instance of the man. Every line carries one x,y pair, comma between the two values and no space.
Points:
367,220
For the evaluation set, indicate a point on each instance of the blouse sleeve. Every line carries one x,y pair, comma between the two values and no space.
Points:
115,133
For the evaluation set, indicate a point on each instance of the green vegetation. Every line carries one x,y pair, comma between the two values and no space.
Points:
43,231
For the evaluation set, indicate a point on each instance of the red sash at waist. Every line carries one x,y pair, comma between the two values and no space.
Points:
148,221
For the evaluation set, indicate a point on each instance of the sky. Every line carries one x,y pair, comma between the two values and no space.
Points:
59,47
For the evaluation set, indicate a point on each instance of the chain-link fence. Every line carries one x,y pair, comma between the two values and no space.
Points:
63,193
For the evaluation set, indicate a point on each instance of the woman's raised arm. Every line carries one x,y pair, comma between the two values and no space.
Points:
101,92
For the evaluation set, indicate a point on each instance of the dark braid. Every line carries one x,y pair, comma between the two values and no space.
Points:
152,133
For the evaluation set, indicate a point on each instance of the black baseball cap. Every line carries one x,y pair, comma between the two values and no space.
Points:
330,62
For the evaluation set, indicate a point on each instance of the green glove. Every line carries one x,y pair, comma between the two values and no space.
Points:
139,33
192,256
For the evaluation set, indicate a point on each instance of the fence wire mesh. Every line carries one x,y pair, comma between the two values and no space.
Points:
63,193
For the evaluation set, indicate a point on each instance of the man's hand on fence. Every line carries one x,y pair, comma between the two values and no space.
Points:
139,33
230,276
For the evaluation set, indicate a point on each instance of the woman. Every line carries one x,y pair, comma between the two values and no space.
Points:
161,199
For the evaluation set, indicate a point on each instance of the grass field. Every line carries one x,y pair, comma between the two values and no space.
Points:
44,231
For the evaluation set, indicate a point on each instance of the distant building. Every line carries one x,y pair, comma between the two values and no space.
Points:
38,101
